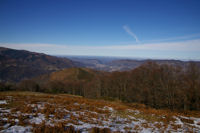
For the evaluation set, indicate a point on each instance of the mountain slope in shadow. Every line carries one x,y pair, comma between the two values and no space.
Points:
16,65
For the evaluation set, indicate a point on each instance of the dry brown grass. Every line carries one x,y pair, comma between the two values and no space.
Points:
99,130
187,120
55,105
58,128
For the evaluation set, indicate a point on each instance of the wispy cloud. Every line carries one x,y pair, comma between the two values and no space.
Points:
128,30
178,38
189,49
189,45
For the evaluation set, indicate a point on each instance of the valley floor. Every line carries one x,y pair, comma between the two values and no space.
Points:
37,112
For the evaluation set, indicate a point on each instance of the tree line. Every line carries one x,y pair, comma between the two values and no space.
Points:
157,86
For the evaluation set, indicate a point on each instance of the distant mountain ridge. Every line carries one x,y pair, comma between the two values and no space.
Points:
16,65
122,64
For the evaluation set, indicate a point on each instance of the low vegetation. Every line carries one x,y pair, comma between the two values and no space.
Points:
41,112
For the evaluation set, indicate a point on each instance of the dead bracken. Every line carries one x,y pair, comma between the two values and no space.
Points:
38,112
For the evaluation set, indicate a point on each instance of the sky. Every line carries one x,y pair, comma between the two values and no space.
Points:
160,29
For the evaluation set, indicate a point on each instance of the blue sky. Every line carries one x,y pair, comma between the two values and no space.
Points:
126,28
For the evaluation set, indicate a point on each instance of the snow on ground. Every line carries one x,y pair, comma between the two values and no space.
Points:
83,119
17,129
3,102
108,108
3,110
37,120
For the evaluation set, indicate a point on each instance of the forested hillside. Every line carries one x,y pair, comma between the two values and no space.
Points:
16,65
157,86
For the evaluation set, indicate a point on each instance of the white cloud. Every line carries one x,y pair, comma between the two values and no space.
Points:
189,49
186,37
128,30
189,45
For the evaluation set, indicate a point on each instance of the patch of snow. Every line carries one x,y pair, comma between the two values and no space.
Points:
6,125
16,120
84,127
178,121
63,110
195,120
132,118
4,119
75,114
76,104
51,116
67,116
18,129
146,130
37,106
3,102
9,98
37,120
4,111
133,111
108,108
92,112
31,105
49,123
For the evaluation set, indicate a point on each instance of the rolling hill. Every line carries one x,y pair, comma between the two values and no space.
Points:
16,65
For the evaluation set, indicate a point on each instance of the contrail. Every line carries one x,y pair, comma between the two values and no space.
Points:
128,30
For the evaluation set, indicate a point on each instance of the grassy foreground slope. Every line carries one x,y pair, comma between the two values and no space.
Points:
39,112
